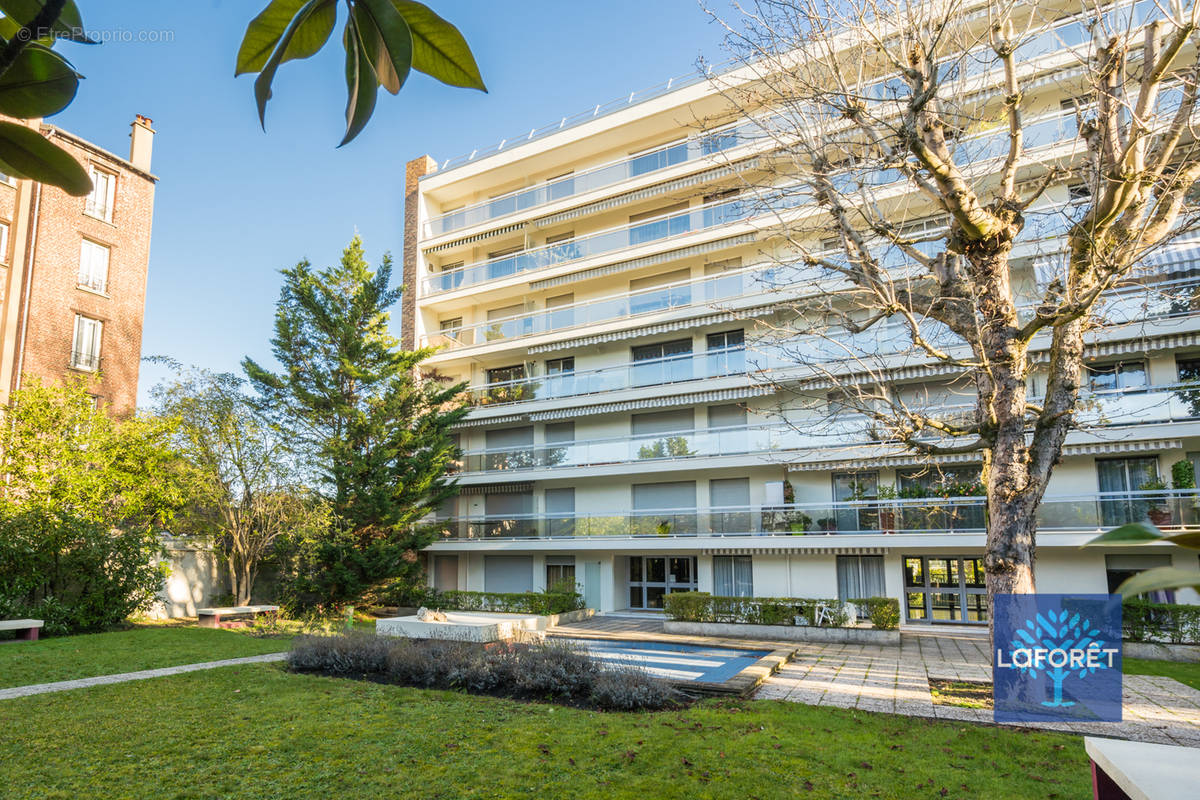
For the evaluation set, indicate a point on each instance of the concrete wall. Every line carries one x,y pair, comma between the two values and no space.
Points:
196,576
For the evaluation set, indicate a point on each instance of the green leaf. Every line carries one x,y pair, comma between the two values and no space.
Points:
69,25
1190,540
386,40
265,31
1131,533
25,153
262,34
39,83
361,83
9,28
1158,579
305,32
439,49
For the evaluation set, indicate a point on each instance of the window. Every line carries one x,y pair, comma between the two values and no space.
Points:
1123,566
560,186
451,328
664,362
852,487
561,311
1123,375
508,322
720,207
733,576
85,351
506,384
99,203
1079,192
1121,476
667,221
560,570
719,140
658,158
510,448
560,514
560,377
729,499
726,353
728,415
93,266
860,577
944,589
645,294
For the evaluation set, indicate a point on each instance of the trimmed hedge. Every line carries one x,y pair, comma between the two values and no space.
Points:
1143,621
540,603
704,607
883,611
554,671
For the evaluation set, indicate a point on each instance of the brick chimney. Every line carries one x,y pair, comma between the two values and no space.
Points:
141,143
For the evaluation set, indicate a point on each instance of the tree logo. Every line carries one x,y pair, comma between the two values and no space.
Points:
1057,658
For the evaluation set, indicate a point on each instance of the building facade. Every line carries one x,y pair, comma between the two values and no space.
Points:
73,271
615,304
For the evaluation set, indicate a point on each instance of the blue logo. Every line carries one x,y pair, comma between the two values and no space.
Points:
1057,658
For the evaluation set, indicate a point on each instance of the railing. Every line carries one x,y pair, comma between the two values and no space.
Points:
1175,403
85,361
1167,509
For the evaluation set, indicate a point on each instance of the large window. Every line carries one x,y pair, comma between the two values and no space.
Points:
560,572
733,576
506,384
860,577
85,349
99,203
653,577
664,362
849,487
1122,476
945,589
726,353
93,266
1126,375
560,377
658,158
667,221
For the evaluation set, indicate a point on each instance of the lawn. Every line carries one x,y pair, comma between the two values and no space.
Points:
1188,673
142,647
257,731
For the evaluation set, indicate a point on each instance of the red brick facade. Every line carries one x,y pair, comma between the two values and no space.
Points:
44,295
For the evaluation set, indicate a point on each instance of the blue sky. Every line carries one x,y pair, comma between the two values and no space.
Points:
234,205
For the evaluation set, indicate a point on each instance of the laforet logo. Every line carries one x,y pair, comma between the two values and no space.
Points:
1057,658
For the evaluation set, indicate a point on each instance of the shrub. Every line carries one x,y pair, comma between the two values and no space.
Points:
1144,621
355,654
540,603
883,611
624,689
703,607
75,574
550,671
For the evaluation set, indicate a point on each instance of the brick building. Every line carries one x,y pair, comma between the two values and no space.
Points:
73,271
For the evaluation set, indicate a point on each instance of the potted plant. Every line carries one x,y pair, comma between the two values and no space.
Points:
1156,507
887,511
827,524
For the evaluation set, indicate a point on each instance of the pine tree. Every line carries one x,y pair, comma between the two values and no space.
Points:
372,428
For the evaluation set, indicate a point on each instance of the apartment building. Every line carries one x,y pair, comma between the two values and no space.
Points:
73,271
615,302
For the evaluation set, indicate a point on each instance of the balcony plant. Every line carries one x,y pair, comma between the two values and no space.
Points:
887,510
1157,509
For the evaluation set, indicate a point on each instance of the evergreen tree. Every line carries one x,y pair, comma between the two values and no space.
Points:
372,428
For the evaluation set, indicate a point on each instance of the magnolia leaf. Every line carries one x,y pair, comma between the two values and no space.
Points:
39,83
263,33
69,24
387,41
439,49
1130,533
361,83
1158,579
9,28
1190,540
25,153
284,50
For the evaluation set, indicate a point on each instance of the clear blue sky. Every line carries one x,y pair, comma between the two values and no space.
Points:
234,204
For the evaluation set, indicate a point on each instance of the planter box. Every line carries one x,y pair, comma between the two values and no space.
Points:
784,633
1161,651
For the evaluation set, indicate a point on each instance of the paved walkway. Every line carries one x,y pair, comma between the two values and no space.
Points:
100,680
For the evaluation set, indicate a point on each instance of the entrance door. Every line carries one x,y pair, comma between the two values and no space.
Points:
591,584
653,577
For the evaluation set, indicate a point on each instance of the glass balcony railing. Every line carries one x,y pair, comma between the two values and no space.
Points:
1175,403
926,515
712,289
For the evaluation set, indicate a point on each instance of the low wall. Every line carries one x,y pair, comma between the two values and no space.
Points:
567,617
1157,651
784,633
196,576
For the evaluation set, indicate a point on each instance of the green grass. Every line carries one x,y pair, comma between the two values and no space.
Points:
1187,673
257,731
64,658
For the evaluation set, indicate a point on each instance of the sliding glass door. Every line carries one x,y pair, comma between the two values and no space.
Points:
653,577
945,589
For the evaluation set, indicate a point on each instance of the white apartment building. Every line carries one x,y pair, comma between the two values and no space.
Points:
611,299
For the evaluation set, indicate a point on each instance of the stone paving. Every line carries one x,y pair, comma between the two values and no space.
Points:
101,680
896,680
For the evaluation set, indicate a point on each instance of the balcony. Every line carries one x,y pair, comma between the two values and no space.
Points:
669,226
928,515
1141,406
85,361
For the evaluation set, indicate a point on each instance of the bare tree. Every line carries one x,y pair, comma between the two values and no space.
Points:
912,147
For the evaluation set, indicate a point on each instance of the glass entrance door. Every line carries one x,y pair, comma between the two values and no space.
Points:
653,577
945,589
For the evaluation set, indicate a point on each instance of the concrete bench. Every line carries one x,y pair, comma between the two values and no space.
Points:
26,629
1124,770
211,617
